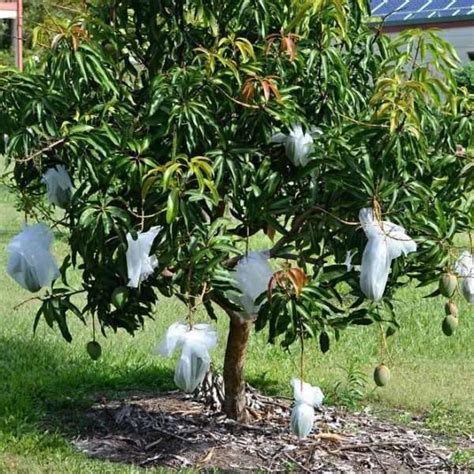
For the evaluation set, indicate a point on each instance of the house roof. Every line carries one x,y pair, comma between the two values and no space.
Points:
422,11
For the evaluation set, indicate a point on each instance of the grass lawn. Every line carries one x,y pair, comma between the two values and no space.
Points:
44,379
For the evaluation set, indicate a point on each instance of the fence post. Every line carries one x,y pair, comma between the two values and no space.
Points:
19,21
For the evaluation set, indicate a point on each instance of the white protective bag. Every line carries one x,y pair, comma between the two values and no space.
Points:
298,144
386,241
398,242
465,269
374,269
59,186
252,275
31,263
194,360
171,340
140,265
467,289
302,416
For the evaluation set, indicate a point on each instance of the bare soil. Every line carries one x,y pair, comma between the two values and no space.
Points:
174,431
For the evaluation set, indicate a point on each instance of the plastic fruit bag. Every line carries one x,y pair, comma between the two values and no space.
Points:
171,340
395,236
31,263
374,269
252,275
298,144
302,420
467,289
59,186
192,366
306,398
140,265
194,360
398,242
465,269
306,393
387,241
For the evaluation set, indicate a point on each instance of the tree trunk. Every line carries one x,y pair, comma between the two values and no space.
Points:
234,383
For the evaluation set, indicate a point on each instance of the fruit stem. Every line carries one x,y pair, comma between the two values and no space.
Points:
93,327
190,298
247,240
384,352
142,216
301,355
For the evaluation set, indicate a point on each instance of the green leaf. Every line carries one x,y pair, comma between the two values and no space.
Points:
172,206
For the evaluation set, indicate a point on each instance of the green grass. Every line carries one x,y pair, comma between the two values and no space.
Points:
46,381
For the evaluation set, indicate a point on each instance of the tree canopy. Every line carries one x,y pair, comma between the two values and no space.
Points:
163,114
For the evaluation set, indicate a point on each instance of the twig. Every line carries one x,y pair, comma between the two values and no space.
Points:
248,427
173,435
243,104
268,401
342,221
72,293
153,444
144,216
297,463
43,150
152,459
379,462
355,447
297,224
364,124
26,301
68,8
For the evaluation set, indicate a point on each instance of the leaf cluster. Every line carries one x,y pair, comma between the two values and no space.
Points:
163,111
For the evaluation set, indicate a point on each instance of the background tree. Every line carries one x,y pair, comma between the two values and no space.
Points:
48,15
163,113
465,77
43,19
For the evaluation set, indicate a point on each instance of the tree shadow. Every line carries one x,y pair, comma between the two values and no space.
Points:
264,384
56,400
110,410
47,391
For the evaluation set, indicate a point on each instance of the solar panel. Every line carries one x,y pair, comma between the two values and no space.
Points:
409,10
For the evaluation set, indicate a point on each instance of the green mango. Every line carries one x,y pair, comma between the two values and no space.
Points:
447,284
450,324
381,375
120,297
451,308
94,350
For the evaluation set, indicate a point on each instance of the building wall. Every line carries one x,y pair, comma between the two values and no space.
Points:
7,14
462,39
459,34
8,9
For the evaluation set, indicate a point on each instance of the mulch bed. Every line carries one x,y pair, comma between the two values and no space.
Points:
174,431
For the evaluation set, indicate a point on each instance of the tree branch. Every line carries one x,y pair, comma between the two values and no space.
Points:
223,305
298,223
43,150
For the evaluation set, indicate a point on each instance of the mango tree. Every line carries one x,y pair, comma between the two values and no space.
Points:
218,120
